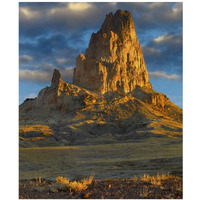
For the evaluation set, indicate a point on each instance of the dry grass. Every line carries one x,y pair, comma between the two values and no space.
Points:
62,180
166,127
50,148
144,192
31,139
74,185
155,180
38,179
88,181
35,128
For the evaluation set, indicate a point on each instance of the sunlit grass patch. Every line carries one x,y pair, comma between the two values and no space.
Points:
62,180
32,139
88,181
156,180
35,128
51,148
75,185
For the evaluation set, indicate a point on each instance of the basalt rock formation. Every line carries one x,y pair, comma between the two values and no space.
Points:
114,59
110,100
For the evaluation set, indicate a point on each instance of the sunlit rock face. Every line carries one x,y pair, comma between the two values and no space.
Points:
114,60
61,96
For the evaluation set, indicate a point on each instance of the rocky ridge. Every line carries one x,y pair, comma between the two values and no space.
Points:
75,115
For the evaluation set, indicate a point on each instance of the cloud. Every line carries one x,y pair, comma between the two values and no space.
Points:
52,50
150,52
25,59
34,76
44,76
164,53
79,6
159,14
164,75
51,40
36,19
28,15
39,18
32,95
44,66
163,38
174,40
67,73
61,61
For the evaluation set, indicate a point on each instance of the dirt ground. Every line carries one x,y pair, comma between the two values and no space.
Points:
104,189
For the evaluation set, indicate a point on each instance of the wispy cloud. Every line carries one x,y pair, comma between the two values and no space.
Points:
150,52
172,39
31,95
34,75
25,59
164,75
44,76
79,6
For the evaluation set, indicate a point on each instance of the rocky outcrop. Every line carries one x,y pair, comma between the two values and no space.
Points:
77,115
56,79
62,96
148,95
114,59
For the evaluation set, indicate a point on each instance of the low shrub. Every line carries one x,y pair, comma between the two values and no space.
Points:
75,185
155,180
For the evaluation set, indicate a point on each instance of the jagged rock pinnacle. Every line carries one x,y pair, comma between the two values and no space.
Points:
119,22
56,79
114,60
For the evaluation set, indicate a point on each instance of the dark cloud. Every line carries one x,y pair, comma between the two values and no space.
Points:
40,18
24,59
164,53
54,50
63,17
150,52
53,34
158,15
171,41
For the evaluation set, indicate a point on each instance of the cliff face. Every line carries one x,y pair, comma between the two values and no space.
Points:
114,59
62,96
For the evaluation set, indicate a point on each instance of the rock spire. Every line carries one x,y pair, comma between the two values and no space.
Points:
114,60
56,79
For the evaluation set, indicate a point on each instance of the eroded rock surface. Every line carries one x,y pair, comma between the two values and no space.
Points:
79,116
114,59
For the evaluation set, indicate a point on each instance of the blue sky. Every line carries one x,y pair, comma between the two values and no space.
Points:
51,35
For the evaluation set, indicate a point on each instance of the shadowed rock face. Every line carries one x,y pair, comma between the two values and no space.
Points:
56,79
114,59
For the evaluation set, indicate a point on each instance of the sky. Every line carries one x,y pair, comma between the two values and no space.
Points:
52,35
